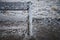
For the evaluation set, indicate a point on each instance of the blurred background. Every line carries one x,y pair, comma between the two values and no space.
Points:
46,21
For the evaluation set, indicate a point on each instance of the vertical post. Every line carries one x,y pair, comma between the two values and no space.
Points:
30,20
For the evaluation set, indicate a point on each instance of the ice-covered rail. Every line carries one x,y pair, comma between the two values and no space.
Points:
14,5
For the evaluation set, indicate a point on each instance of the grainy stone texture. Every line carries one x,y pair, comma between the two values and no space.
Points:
46,21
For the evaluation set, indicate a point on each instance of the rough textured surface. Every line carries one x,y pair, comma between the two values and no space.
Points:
14,5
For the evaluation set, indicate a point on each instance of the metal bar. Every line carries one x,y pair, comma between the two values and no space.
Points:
30,20
13,9
14,5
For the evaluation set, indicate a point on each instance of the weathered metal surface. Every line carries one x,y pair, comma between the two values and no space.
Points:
14,5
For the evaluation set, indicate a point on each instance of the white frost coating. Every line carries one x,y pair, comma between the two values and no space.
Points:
14,16
30,20
14,0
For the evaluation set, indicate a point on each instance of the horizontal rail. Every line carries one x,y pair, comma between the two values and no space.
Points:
14,5
13,9
7,28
